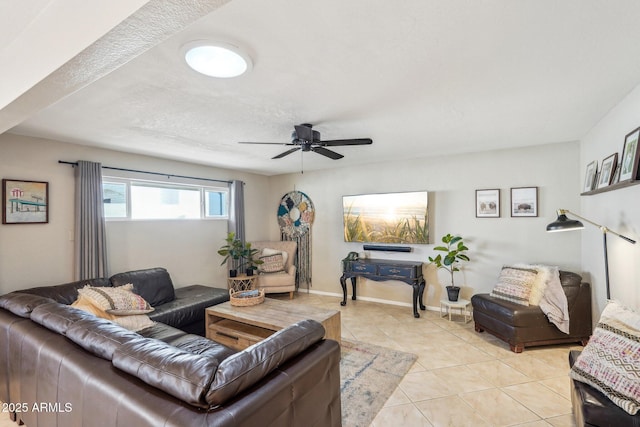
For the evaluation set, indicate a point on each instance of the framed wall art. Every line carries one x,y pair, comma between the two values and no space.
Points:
488,203
630,154
616,175
590,176
25,202
608,170
524,201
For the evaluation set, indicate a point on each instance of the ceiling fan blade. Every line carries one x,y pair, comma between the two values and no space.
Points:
266,143
328,153
304,132
337,142
286,153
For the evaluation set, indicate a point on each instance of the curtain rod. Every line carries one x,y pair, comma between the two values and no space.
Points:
168,175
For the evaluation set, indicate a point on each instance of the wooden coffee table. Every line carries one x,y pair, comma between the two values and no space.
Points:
240,327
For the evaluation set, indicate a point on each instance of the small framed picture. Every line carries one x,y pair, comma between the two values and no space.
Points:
607,170
488,203
630,154
616,175
590,176
25,202
524,201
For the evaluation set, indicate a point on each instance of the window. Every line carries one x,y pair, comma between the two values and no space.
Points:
114,195
134,199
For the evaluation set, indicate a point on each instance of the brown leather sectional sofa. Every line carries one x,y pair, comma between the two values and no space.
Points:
60,366
591,408
524,326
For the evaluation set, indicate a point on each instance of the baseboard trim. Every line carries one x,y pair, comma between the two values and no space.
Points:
370,299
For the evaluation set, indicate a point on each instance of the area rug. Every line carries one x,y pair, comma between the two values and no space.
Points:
369,374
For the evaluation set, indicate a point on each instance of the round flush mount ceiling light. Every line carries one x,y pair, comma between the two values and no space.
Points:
216,59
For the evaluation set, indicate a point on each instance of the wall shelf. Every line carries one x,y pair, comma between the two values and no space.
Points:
616,186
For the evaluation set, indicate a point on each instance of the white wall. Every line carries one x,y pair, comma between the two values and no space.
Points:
619,210
42,254
452,181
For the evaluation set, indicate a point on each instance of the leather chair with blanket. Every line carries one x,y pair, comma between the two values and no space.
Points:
527,325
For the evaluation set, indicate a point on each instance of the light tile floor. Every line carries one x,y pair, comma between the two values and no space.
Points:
461,378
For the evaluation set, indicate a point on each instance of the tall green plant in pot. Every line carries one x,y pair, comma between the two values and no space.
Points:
454,255
233,250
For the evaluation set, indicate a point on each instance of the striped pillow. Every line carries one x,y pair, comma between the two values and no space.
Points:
610,362
271,263
515,284
120,301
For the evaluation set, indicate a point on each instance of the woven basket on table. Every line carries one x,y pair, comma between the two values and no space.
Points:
237,299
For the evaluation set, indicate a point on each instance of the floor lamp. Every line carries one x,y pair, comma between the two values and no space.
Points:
562,223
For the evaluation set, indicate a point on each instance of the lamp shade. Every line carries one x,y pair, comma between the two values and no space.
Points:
562,223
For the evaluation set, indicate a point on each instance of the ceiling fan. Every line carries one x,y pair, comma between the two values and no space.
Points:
306,139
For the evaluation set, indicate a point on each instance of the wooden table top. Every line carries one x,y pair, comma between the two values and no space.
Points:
271,314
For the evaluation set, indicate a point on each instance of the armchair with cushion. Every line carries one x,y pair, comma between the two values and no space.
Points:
278,272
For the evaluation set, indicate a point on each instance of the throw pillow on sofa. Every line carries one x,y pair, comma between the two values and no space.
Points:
514,284
610,362
104,306
119,301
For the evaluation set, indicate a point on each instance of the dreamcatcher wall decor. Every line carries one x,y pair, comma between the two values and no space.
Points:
295,216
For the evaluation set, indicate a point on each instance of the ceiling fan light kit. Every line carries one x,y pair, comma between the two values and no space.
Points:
216,59
304,138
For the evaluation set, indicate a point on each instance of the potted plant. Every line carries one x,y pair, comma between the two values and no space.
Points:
455,253
248,253
234,250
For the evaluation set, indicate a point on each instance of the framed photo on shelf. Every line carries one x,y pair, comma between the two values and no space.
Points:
590,176
25,202
616,175
488,203
608,170
630,154
524,201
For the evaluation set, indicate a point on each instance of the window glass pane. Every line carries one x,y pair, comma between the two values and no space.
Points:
114,195
215,204
164,202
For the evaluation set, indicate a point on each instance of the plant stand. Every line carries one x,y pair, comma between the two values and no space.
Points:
446,307
242,282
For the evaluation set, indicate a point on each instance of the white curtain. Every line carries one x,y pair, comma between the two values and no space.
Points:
90,230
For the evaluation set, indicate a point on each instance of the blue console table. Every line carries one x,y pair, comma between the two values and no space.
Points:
409,272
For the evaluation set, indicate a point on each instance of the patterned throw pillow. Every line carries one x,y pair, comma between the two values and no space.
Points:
136,322
270,251
610,362
546,273
514,284
272,263
120,301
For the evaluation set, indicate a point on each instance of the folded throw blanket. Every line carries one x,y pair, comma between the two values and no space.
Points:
554,302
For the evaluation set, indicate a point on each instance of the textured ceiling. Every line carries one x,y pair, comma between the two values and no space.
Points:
419,77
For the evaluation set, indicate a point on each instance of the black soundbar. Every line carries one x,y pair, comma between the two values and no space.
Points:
386,248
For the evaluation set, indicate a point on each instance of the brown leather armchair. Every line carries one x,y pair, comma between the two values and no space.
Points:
525,326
